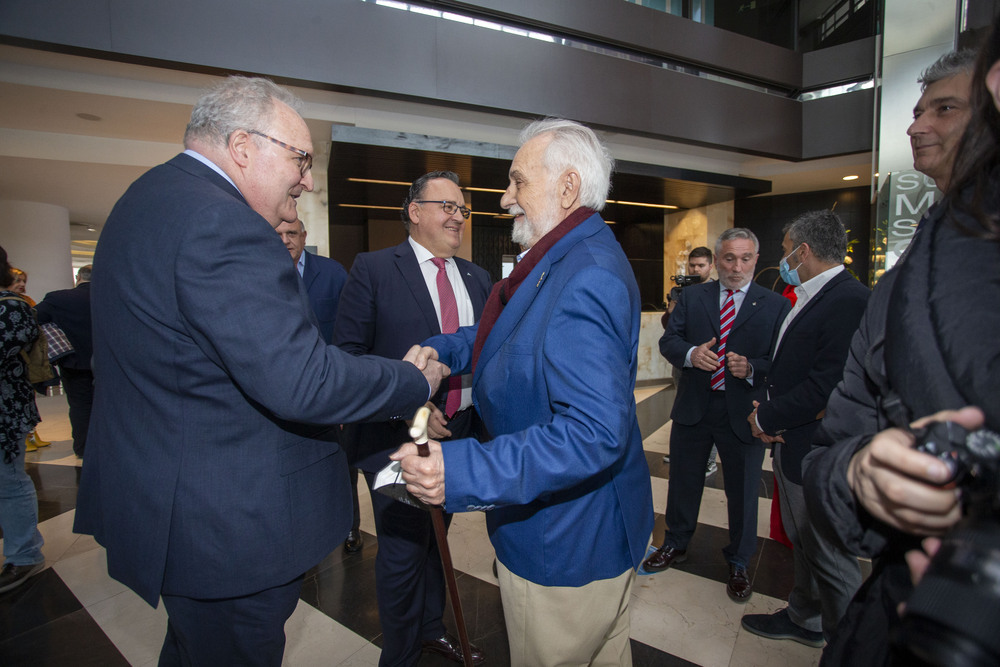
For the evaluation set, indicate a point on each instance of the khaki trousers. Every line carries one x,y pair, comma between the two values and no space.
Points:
563,625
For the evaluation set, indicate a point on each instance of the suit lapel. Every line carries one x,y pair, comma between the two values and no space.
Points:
413,278
755,296
309,272
710,301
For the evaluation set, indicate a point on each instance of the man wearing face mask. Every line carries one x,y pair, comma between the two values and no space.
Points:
807,361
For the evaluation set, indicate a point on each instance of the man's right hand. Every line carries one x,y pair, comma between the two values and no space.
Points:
425,358
702,357
899,485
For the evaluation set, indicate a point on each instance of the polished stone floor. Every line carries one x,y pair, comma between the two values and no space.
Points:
74,614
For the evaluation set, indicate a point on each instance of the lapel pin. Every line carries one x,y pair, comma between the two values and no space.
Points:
540,279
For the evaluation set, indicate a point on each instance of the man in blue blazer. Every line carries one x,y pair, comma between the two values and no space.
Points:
720,337
390,303
563,478
323,277
212,478
807,363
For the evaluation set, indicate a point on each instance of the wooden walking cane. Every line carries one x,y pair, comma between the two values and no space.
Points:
418,431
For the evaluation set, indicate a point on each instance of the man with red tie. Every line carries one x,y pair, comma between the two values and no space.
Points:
720,337
393,299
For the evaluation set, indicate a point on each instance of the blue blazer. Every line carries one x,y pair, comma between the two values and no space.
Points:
210,469
807,365
324,279
564,481
695,320
385,309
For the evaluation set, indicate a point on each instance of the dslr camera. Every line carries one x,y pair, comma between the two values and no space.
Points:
681,282
953,616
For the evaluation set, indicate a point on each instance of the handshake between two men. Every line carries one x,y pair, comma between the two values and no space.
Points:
424,475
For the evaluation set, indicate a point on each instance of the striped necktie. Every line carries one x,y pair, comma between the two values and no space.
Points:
449,324
726,316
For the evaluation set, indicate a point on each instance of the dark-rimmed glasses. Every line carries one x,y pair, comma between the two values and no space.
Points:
305,159
449,206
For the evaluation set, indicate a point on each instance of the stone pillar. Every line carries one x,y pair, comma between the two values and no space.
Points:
37,239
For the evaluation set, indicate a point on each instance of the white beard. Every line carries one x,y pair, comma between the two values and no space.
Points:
525,232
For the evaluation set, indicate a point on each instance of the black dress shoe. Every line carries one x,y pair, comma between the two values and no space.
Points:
738,587
355,540
449,646
663,558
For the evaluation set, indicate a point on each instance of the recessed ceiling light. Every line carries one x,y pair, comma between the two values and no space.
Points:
91,229
88,116
852,177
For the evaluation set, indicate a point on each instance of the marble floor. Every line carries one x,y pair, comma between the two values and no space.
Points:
74,614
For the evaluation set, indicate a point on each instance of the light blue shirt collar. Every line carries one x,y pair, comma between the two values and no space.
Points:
211,165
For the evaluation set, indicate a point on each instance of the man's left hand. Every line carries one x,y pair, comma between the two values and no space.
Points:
424,475
738,365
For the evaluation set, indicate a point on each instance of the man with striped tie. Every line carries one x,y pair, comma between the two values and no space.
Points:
720,336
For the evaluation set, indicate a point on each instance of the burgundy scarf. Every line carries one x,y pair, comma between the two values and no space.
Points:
504,290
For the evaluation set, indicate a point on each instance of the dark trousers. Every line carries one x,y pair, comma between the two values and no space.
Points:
248,630
409,579
352,474
79,386
826,576
741,465
410,584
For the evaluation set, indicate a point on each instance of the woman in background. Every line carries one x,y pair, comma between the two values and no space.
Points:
22,543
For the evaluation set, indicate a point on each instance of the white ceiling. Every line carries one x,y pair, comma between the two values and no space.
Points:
49,154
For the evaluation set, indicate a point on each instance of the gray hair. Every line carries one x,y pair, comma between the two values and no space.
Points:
733,234
823,232
417,191
950,64
575,146
237,103
85,272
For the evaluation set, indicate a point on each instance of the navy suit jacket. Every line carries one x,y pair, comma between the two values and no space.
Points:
210,469
385,309
694,321
324,279
70,310
807,365
564,481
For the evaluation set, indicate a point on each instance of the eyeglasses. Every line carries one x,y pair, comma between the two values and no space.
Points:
449,206
305,160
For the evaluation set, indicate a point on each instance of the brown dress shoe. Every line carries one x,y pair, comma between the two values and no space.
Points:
663,558
738,587
449,646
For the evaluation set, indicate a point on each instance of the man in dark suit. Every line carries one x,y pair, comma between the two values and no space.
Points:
324,278
393,300
807,363
563,479
213,476
720,335
69,309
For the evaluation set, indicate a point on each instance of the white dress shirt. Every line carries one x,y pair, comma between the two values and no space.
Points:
466,314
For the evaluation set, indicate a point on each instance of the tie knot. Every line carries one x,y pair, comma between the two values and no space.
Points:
438,262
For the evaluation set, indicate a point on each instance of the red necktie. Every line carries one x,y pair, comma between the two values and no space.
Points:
449,324
726,316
